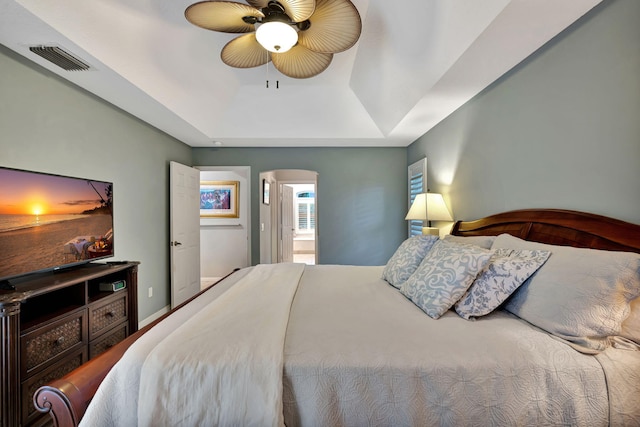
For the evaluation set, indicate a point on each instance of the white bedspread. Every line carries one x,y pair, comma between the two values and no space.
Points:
212,369
216,370
356,352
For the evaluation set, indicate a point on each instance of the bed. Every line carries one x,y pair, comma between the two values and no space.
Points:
538,324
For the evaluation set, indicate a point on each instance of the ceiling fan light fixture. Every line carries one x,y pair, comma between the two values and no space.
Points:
276,36
300,37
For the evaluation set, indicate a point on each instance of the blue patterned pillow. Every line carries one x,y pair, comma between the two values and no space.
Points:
407,258
506,271
444,276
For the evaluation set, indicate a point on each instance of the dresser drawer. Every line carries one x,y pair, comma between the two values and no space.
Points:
41,345
106,313
108,340
53,372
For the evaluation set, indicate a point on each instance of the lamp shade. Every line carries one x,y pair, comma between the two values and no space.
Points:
436,208
418,209
429,207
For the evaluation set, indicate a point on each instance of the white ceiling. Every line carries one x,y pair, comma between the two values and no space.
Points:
414,64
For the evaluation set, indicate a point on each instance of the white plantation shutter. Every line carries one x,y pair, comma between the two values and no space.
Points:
417,184
305,212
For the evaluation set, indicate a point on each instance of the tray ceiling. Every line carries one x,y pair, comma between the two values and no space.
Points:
414,64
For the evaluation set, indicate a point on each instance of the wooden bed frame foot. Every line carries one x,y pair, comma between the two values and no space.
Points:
54,400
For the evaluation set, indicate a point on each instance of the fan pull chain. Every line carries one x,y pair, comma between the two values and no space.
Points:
267,82
267,54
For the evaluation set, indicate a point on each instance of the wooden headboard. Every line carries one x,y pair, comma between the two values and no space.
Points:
557,227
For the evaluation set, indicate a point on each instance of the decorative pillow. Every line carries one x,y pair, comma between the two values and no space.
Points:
506,271
580,295
631,325
444,275
482,241
407,258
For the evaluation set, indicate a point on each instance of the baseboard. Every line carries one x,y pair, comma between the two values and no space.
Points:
153,317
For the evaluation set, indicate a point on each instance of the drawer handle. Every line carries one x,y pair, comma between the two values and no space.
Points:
59,341
110,314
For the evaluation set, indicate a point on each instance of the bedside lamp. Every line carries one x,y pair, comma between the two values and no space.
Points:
429,207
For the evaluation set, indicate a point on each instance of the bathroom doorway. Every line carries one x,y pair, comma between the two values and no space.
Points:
288,217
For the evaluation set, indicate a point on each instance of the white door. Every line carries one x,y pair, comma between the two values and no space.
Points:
184,233
288,227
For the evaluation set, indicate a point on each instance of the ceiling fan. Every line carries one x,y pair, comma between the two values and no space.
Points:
298,36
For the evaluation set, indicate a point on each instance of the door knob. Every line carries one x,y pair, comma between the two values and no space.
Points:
176,243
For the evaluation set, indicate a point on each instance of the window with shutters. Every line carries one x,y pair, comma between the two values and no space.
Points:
417,184
305,212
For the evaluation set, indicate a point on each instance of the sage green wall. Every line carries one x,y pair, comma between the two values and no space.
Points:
361,196
49,125
561,130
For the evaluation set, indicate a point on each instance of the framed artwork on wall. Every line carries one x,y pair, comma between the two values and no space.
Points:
219,199
265,191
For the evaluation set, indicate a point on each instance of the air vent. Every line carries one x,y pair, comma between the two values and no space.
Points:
60,57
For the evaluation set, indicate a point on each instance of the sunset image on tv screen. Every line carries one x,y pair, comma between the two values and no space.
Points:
48,221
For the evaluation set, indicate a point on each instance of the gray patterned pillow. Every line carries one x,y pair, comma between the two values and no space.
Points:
407,258
444,275
506,271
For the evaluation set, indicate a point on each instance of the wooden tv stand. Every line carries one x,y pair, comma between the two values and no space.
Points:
51,323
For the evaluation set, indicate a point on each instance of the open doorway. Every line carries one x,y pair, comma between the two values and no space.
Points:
304,223
224,238
288,225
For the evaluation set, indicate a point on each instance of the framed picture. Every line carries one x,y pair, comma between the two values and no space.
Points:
219,199
265,191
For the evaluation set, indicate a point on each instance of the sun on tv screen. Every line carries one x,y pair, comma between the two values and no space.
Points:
50,221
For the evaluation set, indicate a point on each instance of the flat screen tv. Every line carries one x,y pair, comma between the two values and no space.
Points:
50,222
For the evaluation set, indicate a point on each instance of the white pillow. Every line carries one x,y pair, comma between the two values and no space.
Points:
579,295
631,325
407,258
482,241
506,271
444,275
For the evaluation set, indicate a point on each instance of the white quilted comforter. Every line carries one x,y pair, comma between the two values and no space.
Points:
358,353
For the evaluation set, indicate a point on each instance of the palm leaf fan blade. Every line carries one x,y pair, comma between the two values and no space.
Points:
297,10
224,16
244,52
335,27
300,62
